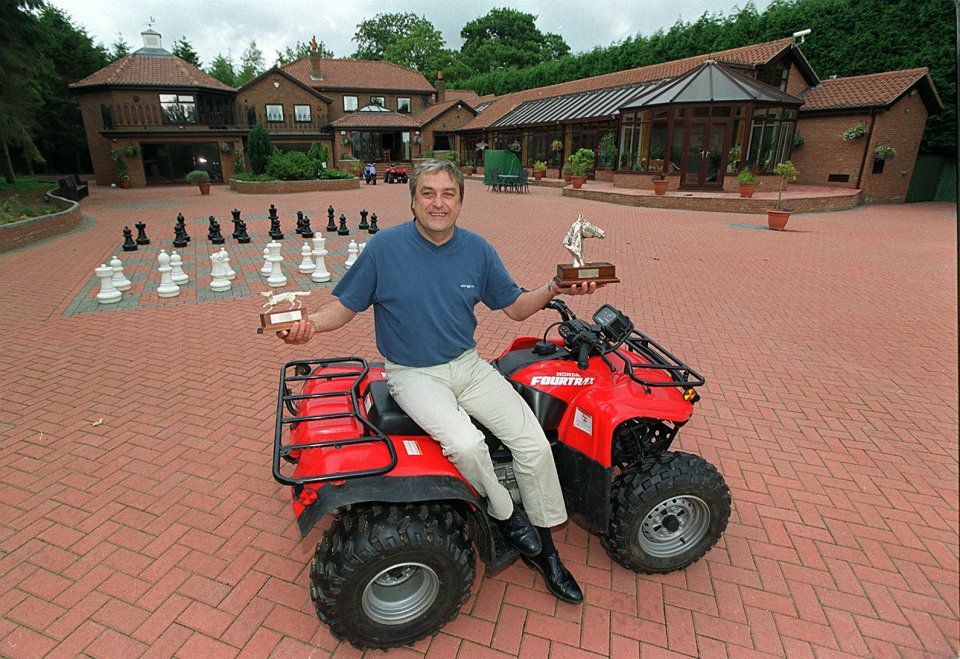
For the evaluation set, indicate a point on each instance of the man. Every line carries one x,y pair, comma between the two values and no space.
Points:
423,279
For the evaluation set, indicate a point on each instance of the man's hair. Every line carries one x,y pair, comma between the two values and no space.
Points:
434,166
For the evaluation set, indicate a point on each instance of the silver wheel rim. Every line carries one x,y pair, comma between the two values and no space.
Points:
401,593
674,525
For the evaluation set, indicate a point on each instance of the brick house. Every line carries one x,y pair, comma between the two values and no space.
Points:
177,118
701,119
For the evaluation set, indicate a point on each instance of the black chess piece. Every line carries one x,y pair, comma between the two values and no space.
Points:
128,244
307,230
272,213
210,222
373,224
363,220
236,224
299,223
343,230
179,240
182,223
215,236
142,234
242,236
275,231
331,223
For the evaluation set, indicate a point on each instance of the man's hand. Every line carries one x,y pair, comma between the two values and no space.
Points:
301,332
585,288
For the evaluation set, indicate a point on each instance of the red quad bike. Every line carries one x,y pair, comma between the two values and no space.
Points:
398,559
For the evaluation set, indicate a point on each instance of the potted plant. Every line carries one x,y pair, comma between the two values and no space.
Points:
856,132
777,217
884,152
798,139
130,151
123,179
580,164
539,169
201,179
567,172
733,158
660,183
468,168
748,183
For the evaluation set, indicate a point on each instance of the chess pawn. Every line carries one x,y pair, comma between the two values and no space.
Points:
306,264
142,234
373,224
120,281
307,229
275,232
228,272
216,237
182,223
360,247
242,236
343,230
167,287
331,223
276,278
108,293
219,282
176,269
265,270
299,229
128,244
352,251
179,239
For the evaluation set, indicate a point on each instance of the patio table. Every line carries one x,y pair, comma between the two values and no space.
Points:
508,180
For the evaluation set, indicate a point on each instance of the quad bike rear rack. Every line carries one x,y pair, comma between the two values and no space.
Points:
304,370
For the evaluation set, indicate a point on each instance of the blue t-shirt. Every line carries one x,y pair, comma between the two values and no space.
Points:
423,295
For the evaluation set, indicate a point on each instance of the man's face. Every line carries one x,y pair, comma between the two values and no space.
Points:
436,206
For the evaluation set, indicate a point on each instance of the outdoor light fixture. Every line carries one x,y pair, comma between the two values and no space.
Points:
801,34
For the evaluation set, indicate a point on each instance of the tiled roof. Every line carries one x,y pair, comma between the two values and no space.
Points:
461,95
434,111
869,91
359,120
139,70
359,74
746,55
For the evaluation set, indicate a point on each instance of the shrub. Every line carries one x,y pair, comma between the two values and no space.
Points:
746,176
540,166
607,151
197,176
258,149
291,166
319,154
581,162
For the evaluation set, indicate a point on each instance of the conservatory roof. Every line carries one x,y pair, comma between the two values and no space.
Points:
595,104
711,82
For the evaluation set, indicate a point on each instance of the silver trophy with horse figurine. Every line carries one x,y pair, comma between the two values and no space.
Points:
581,272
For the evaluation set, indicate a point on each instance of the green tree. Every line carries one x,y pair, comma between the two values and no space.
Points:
258,149
507,38
119,48
70,54
300,51
417,49
223,70
20,101
375,35
251,64
183,50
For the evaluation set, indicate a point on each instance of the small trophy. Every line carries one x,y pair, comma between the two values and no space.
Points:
275,321
579,272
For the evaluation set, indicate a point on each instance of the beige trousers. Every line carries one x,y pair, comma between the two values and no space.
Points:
441,399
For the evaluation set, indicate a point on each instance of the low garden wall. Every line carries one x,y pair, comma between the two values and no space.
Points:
282,187
25,232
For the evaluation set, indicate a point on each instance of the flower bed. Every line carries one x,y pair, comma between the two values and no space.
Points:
283,187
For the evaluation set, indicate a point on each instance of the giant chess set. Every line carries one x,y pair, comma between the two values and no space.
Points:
145,272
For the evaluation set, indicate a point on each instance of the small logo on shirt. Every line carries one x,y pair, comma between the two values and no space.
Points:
467,286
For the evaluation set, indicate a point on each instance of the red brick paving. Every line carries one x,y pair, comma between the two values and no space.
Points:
831,408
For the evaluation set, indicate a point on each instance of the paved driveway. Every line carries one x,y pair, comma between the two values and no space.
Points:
138,515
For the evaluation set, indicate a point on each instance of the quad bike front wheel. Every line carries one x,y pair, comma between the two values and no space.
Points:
666,513
386,576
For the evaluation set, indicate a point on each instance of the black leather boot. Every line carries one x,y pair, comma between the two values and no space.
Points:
520,533
559,580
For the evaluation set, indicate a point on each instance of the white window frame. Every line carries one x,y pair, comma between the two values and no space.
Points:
274,118
302,118
409,103
356,103
378,100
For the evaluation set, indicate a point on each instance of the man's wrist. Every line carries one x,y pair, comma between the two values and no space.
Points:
550,288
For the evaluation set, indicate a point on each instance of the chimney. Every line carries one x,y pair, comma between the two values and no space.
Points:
441,86
151,39
315,60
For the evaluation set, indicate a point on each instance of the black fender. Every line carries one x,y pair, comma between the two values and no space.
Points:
492,549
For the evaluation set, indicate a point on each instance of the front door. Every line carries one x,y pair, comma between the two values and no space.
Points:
702,165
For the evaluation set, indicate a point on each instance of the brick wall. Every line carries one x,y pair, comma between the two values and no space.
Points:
281,187
25,232
901,127
285,93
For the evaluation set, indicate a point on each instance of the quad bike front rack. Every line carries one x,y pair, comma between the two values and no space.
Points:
352,371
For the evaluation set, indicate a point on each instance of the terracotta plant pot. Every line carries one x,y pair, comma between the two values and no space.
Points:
537,175
204,188
577,181
747,190
567,176
468,171
660,186
777,219
124,183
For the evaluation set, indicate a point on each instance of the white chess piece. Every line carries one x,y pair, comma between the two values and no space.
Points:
360,249
352,251
265,270
176,266
218,272
320,273
319,246
108,293
276,278
306,264
228,272
167,287
120,281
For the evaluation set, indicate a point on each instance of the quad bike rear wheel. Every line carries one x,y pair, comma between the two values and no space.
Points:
666,513
386,576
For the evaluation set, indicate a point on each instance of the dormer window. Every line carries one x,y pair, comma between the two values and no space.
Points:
274,112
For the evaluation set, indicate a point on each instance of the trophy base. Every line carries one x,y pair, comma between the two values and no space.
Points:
276,321
600,272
